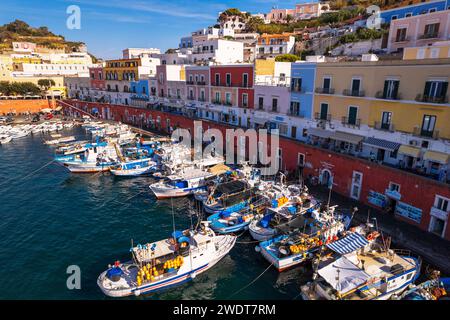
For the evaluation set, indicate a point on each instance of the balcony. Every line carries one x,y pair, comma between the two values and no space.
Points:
295,113
402,39
318,117
190,82
431,99
381,95
384,126
325,90
419,132
353,93
434,35
354,124
297,89
201,83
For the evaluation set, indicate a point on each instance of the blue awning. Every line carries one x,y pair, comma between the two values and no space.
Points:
348,244
382,144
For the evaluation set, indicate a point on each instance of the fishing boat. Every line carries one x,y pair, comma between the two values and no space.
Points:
166,263
237,218
4,139
97,157
60,140
181,184
133,168
288,250
365,270
226,197
281,216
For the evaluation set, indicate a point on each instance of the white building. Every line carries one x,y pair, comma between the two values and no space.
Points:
218,51
49,69
132,53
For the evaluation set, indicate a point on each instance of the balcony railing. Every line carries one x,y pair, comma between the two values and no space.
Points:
431,99
353,93
433,35
318,117
325,90
295,113
190,82
381,95
201,83
405,39
419,132
384,126
297,89
346,122
231,85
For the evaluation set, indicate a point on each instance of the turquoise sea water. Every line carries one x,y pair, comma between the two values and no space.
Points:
53,219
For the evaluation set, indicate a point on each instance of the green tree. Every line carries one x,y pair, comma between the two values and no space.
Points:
287,58
46,83
253,23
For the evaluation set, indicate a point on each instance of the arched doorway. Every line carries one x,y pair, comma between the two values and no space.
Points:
325,176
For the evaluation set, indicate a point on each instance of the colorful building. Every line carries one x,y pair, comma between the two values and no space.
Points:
415,9
418,31
271,45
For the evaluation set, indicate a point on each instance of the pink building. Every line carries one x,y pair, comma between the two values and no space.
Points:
96,78
279,15
197,83
310,10
419,31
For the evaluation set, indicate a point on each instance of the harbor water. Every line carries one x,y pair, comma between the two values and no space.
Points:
51,219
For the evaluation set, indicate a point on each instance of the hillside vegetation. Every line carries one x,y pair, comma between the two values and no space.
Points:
20,31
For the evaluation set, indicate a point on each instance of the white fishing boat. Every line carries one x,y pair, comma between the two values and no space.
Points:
182,184
96,158
166,263
133,168
60,140
4,139
365,270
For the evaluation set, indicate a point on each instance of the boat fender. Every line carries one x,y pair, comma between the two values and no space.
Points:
137,292
193,275
257,248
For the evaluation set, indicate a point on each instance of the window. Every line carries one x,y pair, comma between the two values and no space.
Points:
261,103
202,95
431,30
296,84
442,203
428,124
245,80
295,108
217,79
390,89
326,85
394,187
217,97
386,119
435,91
245,100
228,98
409,14
275,105
356,85
301,159
395,17
228,80
323,111
352,115
432,10
356,185
293,132
401,35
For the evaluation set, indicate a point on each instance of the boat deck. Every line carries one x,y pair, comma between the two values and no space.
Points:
382,264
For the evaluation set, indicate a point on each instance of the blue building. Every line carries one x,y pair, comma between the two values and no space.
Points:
186,42
139,92
303,76
413,10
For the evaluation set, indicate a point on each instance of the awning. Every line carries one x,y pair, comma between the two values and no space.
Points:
343,275
382,144
346,137
409,151
319,133
436,156
259,120
348,244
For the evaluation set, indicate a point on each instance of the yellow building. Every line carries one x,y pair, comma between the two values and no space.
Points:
438,50
409,96
122,69
6,67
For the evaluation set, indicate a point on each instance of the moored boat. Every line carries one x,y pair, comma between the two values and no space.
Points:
134,167
166,263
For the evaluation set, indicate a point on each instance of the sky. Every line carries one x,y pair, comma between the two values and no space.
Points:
109,26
